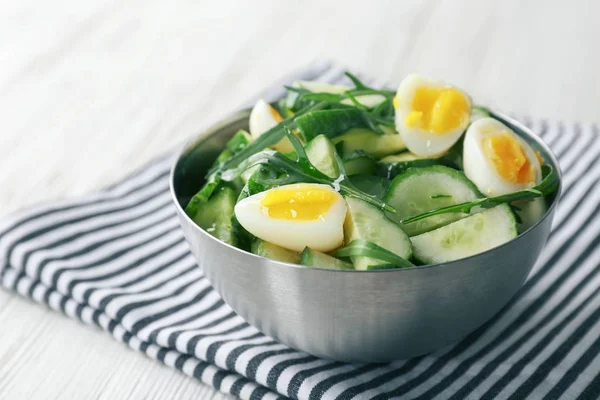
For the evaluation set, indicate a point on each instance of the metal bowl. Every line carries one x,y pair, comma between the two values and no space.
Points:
362,316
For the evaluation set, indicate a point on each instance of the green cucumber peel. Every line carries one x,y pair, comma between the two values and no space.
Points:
302,170
548,185
364,248
332,123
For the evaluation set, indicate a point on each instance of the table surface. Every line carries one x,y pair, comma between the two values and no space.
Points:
90,90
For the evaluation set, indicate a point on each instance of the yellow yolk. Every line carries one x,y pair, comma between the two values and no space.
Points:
539,157
437,110
509,158
275,114
297,204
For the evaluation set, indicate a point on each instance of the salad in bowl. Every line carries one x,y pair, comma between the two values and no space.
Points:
357,178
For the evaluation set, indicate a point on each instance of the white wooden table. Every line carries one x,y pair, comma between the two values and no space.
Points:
90,90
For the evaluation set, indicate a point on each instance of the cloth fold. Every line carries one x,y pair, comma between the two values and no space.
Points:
117,259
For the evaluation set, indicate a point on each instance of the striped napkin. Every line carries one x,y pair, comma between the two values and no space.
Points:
117,259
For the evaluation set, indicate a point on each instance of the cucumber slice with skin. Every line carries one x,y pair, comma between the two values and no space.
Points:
313,258
371,142
367,222
237,142
394,165
359,162
243,237
371,184
530,213
331,123
321,153
255,182
214,216
274,252
469,236
423,189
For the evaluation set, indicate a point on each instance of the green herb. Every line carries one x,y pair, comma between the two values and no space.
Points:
296,89
547,186
354,101
302,170
357,82
322,96
203,195
269,138
371,184
360,86
364,248
440,196
234,145
332,123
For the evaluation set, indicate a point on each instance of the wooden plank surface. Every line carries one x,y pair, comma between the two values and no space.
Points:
90,90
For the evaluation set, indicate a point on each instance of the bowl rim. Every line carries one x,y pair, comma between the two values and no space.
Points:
218,126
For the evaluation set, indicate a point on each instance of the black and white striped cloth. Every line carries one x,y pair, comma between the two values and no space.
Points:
117,259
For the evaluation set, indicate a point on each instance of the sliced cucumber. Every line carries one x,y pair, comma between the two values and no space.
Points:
394,165
247,174
364,139
243,237
388,130
469,236
256,182
367,100
359,162
274,252
214,215
423,189
367,222
313,258
238,141
331,123
321,153
530,213
371,184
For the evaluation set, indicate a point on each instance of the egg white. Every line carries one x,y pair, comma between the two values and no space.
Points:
323,234
481,170
262,119
421,141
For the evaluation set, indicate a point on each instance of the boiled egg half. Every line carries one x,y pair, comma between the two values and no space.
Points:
430,115
295,216
264,117
497,160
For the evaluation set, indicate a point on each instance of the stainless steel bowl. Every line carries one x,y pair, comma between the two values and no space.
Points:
365,316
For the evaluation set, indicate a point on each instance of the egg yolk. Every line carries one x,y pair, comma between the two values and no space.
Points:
276,116
437,110
308,203
509,158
